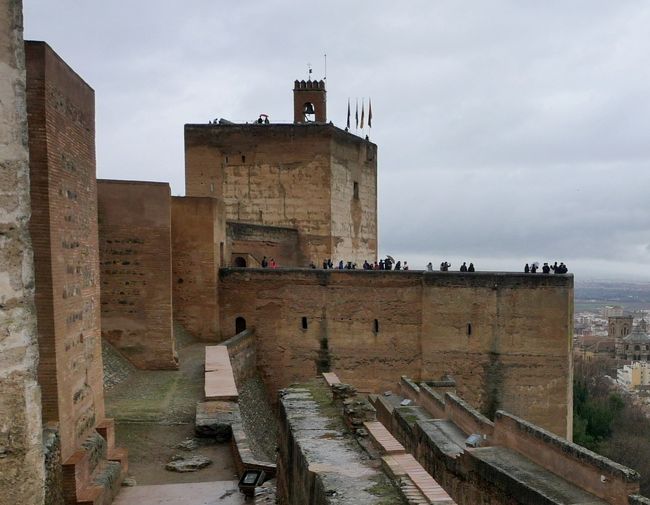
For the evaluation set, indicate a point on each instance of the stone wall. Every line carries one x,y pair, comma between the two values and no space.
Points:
21,450
290,175
319,462
505,338
354,200
61,115
281,244
135,257
198,250
243,356
515,462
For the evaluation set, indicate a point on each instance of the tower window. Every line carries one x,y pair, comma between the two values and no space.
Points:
243,158
304,323
356,190
469,329
309,112
376,326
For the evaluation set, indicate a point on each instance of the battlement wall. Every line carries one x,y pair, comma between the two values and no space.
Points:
199,248
504,337
135,259
61,117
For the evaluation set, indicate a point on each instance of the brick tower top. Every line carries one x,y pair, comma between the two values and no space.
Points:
309,102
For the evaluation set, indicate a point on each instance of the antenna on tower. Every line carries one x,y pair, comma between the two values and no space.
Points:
325,78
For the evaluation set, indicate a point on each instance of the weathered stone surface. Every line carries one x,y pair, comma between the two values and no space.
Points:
342,391
188,445
517,358
129,482
191,464
21,452
294,176
317,463
214,419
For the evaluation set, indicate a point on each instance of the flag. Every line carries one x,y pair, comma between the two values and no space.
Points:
356,116
348,123
362,112
369,114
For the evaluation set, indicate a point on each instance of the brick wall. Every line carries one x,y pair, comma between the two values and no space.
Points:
135,258
21,451
198,249
517,356
61,115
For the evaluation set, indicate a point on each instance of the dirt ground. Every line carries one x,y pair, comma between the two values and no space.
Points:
154,411
151,446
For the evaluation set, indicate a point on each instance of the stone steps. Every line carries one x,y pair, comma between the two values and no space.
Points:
402,466
92,480
382,438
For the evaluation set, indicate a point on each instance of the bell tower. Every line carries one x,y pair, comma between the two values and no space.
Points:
309,102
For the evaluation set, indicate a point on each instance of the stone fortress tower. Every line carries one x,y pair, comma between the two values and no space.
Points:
299,193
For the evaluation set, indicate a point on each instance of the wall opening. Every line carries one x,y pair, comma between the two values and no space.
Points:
221,253
240,325
243,158
304,323
240,262
469,329
356,190
375,326
309,112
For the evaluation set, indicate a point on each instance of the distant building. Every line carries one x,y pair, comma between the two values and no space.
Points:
612,311
636,345
635,375
619,326
589,346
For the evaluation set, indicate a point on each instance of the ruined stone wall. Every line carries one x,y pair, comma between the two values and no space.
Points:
281,244
198,250
373,327
243,356
21,451
135,256
354,200
61,115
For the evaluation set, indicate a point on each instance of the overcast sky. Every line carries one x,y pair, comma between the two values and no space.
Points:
508,131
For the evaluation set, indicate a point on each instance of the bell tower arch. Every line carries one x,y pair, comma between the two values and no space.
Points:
309,102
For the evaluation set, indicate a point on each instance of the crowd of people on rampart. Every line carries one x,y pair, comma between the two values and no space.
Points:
390,264
546,268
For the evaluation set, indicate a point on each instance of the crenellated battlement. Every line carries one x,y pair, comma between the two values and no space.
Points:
308,85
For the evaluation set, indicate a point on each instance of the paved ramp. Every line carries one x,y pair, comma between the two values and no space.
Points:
201,493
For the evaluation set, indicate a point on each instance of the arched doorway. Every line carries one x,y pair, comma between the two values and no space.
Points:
240,262
240,325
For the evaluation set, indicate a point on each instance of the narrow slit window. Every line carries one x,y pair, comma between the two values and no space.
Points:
469,329
376,326
356,190
243,158
304,323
